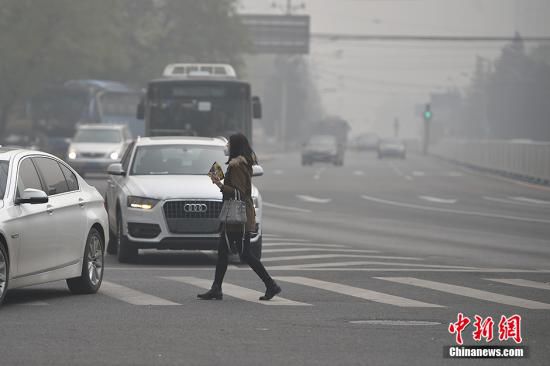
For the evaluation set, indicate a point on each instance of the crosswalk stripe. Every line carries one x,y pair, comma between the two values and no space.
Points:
521,282
357,292
359,263
132,296
286,244
469,292
278,239
336,255
290,250
238,292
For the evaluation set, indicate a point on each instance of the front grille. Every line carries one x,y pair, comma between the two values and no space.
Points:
185,221
176,210
91,155
144,231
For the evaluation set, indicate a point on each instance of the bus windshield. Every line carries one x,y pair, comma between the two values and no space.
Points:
189,108
57,110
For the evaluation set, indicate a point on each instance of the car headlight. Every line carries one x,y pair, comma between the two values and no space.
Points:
72,155
142,202
255,201
114,155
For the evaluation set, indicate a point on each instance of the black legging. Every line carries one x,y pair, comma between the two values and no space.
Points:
247,256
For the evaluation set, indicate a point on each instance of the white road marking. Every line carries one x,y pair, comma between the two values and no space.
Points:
285,244
313,199
287,208
36,303
511,202
379,269
291,250
438,200
521,282
324,256
360,293
278,239
359,173
531,200
361,263
396,170
238,292
460,212
418,174
318,173
132,296
469,292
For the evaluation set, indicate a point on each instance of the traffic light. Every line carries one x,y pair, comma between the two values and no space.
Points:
428,113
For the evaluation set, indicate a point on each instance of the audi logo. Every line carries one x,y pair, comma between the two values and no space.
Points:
195,207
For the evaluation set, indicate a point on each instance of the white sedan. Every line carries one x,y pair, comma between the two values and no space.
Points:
160,197
53,225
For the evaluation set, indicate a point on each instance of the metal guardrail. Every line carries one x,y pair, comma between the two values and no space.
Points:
518,158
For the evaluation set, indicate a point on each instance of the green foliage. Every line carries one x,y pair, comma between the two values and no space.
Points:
50,41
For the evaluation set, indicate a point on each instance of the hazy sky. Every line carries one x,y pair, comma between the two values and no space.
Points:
371,83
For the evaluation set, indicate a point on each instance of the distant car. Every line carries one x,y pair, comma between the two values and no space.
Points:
392,147
366,142
53,225
322,148
96,146
160,197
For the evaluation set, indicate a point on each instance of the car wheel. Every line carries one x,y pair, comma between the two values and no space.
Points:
126,252
4,271
92,266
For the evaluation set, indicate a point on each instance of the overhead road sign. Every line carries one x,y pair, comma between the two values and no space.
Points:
278,34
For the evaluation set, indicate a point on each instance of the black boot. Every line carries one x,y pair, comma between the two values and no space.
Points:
272,290
215,293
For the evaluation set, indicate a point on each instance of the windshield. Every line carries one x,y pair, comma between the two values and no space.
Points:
57,111
322,141
198,109
176,160
4,165
119,105
107,136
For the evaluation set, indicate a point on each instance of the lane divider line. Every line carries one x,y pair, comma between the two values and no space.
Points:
311,199
438,200
459,212
287,208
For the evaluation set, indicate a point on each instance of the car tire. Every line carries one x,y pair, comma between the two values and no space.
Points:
92,266
4,271
126,252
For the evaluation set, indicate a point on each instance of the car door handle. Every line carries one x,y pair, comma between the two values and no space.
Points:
81,202
49,209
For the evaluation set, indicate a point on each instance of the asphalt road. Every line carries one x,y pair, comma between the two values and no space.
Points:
375,259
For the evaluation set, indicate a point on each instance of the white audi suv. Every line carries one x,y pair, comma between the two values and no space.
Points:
160,197
53,225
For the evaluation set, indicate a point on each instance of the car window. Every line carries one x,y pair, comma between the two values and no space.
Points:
53,176
4,165
70,177
27,177
126,157
176,159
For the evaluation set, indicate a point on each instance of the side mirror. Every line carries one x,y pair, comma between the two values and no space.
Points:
140,113
256,108
32,196
116,169
257,171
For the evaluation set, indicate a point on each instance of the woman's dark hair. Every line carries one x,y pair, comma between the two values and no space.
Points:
239,146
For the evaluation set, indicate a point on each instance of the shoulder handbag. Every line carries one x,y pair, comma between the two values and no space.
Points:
233,211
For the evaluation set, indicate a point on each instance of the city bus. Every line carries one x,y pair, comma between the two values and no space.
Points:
199,100
56,111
